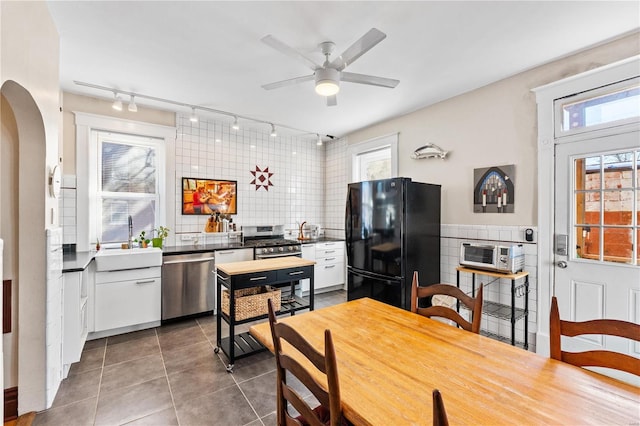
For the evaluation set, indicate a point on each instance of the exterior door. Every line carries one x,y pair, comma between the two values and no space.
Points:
597,272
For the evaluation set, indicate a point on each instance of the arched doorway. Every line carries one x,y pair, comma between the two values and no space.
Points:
27,246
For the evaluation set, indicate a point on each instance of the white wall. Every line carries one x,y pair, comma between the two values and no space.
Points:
29,75
491,126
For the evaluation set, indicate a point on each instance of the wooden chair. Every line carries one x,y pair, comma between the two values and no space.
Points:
439,413
599,358
473,303
329,412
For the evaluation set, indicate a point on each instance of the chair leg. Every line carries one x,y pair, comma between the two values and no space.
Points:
439,413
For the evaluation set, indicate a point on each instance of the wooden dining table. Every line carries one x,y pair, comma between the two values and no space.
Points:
390,360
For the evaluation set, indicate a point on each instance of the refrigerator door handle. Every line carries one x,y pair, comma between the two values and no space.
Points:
373,275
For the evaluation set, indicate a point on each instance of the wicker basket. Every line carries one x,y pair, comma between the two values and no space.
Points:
252,302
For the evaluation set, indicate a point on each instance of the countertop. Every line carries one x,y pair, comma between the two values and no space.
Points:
261,265
78,261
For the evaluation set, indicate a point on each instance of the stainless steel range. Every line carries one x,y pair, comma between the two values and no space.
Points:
269,242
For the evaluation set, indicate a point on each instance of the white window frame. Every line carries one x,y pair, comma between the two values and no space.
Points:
376,144
559,103
87,155
545,98
101,195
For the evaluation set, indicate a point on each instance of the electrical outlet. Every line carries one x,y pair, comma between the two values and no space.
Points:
187,237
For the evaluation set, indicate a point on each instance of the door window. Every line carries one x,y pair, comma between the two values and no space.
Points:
606,205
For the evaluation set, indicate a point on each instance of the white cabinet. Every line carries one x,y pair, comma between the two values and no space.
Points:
330,265
233,255
308,252
74,316
127,298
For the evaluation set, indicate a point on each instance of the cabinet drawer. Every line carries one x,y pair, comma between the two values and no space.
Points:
235,255
329,275
126,303
127,275
294,274
330,259
254,279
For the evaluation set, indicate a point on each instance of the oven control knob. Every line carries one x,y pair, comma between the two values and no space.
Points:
280,248
291,248
271,250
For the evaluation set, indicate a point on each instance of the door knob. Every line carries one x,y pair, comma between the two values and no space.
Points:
562,264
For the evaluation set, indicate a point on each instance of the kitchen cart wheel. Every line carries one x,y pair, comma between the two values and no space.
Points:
216,350
230,368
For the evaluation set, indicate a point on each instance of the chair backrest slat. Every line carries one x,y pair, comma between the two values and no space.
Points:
472,303
596,358
328,395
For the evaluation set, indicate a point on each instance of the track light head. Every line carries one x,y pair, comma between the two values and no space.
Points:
132,104
235,125
194,117
117,102
273,131
319,142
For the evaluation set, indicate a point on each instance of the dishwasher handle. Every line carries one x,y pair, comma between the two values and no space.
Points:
173,262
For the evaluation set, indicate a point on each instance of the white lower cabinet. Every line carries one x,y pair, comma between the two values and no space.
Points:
308,252
74,317
127,298
330,264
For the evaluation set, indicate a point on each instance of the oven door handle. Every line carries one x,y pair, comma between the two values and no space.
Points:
271,256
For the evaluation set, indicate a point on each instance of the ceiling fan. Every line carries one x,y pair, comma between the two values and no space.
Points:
329,75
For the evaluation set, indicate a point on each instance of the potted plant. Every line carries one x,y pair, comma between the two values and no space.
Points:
161,234
142,240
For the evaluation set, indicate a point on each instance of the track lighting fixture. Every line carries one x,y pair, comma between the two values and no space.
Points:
132,104
117,102
133,107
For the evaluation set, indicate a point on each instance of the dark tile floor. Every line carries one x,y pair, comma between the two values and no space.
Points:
168,376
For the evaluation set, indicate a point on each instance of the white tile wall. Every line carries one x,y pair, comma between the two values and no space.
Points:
499,290
67,204
211,149
336,180
54,313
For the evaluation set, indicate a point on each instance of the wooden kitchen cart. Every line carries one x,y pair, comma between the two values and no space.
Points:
276,272
499,310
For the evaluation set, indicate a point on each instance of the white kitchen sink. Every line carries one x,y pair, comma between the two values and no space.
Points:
117,259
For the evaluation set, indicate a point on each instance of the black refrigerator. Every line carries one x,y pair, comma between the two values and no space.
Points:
392,228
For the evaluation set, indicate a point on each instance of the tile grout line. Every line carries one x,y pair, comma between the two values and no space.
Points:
104,357
166,376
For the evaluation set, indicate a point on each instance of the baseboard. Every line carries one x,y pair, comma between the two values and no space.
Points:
10,404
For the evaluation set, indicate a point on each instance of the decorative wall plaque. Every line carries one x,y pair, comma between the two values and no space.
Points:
494,189
261,178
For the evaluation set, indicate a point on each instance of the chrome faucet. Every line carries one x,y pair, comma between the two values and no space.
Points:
130,242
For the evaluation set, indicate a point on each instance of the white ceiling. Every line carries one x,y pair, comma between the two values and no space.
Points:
210,53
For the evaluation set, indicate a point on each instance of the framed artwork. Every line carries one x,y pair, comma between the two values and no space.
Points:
494,189
207,196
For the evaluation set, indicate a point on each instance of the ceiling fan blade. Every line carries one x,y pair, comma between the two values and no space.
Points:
332,100
369,79
288,82
289,51
359,48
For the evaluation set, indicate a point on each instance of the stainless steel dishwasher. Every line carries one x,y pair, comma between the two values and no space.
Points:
188,284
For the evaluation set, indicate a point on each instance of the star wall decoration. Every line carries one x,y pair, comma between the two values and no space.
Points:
261,178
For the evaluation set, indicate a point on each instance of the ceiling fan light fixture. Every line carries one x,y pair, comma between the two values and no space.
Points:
327,81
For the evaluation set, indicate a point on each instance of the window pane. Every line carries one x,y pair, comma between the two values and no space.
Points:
618,170
128,168
115,214
638,170
588,242
592,173
608,108
618,245
618,207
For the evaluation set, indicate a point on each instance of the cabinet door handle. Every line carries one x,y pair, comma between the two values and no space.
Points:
329,251
257,278
329,258
145,282
226,252
329,266
296,273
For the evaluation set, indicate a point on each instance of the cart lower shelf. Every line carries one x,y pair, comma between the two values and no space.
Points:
244,345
